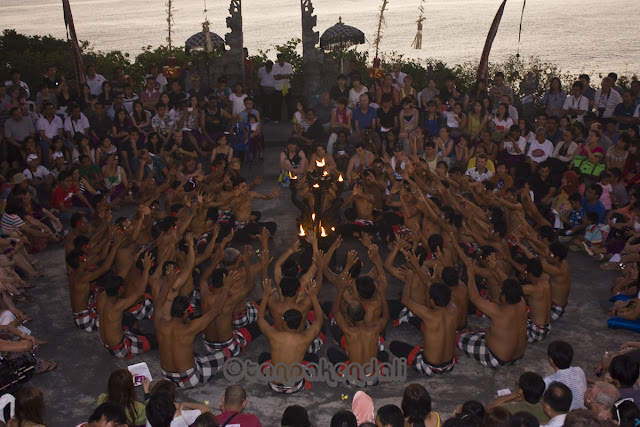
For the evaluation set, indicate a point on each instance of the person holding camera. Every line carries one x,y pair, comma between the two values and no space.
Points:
606,100
576,104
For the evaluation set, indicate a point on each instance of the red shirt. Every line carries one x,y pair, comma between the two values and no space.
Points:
60,195
240,420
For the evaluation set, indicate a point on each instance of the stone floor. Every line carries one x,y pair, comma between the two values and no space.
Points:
84,366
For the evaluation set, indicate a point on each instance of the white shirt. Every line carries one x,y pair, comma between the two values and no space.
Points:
186,418
284,69
127,103
40,173
399,80
521,143
477,176
540,152
237,102
451,119
579,103
50,128
95,85
266,79
557,421
161,81
354,97
574,378
74,127
513,114
609,102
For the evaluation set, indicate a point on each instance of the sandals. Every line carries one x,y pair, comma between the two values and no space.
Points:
46,366
24,297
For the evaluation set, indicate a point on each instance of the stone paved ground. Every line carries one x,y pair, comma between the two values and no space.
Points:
84,366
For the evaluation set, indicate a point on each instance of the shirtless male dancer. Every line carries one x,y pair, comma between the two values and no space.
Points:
246,227
505,340
289,346
80,278
176,334
123,342
440,319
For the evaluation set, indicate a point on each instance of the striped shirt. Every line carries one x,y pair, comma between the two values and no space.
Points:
573,377
10,223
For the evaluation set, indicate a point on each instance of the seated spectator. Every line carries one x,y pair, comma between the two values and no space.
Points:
107,415
416,407
480,173
343,419
121,392
389,416
560,356
624,371
526,397
556,402
233,404
599,399
29,408
295,416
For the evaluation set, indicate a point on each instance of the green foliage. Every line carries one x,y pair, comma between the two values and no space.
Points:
292,50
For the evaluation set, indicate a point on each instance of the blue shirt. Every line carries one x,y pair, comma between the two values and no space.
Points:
365,119
598,208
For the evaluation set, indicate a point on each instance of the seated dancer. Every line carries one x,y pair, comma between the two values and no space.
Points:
81,277
220,334
247,225
291,296
360,217
557,267
440,319
537,292
176,334
289,346
361,339
123,340
125,256
505,340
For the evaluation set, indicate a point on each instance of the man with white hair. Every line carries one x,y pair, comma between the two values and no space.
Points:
600,398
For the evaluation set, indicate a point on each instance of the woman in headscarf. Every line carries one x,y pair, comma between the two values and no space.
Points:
569,185
362,408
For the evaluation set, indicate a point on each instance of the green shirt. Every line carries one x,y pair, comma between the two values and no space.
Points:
141,413
535,410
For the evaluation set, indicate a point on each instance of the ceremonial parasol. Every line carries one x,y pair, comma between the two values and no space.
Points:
341,37
198,41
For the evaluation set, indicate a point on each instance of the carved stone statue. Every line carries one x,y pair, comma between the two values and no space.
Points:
319,69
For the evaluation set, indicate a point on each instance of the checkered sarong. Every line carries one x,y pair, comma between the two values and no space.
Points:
87,320
204,368
144,309
404,317
557,311
250,315
235,345
320,339
281,388
535,332
131,345
416,358
475,346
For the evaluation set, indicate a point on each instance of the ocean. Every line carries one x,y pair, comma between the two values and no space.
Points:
593,36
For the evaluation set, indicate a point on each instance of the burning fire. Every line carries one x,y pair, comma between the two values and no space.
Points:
325,173
292,176
340,178
316,185
313,217
320,163
301,231
322,232
333,229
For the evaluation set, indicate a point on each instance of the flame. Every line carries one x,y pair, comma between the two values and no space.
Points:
313,217
340,178
333,229
316,185
320,163
292,176
301,231
322,232
325,173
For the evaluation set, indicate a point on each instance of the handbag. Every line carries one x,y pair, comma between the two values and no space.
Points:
585,167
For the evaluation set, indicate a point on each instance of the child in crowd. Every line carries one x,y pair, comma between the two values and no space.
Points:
605,184
619,194
592,239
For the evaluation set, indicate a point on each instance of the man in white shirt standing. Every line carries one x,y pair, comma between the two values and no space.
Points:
560,356
398,76
576,104
94,81
282,72
556,403
267,89
606,99
15,81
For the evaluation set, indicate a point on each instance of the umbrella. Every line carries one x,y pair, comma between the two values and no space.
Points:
341,36
198,41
